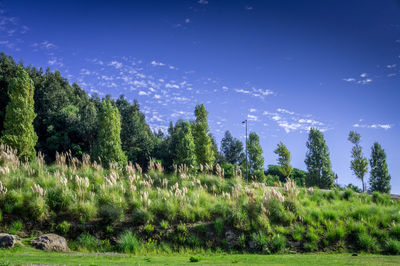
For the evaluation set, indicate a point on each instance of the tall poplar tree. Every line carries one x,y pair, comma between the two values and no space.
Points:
318,162
108,144
185,147
256,160
18,130
284,159
359,164
232,148
380,178
204,149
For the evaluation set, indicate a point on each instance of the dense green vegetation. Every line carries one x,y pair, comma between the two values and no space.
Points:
127,210
94,180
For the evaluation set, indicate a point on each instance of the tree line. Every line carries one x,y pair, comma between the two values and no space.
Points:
41,112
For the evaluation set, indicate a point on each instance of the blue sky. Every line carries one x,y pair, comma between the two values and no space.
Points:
283,65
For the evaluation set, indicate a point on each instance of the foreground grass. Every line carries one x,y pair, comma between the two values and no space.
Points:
24,255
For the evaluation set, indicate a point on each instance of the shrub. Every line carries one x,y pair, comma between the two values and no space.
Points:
381,198
355,231
141,217
15,227
219,226
149,228
194,259
392,247
63,227
110,213
336,234
229,170
260,240
395,231
367,243
298,232
348,194
88,242
164,224
57,199
128,242
277,244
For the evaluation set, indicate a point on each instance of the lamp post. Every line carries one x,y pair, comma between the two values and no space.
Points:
247,171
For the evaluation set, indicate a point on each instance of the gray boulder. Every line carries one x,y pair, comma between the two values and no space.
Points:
7,241
51,242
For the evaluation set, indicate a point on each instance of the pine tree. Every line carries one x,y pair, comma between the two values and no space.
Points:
359,164
318,162
18,130
204,149
256,160
380,178
284,159
108,144
185,147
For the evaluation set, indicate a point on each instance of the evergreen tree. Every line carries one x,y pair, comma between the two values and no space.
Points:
232,148
380,178
284,159
18,130
185,148
108,144
359,164
318,162
256,160
204,149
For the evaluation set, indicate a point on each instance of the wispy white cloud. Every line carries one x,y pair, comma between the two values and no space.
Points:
115,64
363,80
375,126
202,2
155,63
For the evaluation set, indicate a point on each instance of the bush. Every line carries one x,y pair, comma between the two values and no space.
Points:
90,243
110,213
367,243
194,259
395,231
348,194
63,227
149,228
392,247
128,243
338,233
15,227
277,244
219,226
142,217
259,176
57,199
298,232
164,224
260,240
229,170
381,198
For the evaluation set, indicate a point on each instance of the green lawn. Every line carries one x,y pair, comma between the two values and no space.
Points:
32,256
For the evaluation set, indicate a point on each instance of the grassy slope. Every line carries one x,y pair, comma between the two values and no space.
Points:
22,255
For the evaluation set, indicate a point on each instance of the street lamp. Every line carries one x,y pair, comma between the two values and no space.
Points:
247,171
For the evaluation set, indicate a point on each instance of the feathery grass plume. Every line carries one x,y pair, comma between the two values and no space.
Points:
8,156
291,190
38,190
138,168
3,190
4,170
219,171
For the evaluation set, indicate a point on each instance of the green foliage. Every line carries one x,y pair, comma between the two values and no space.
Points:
194,259
164,224
256,160
380,178
128,242
219,226
317,161
392,247
107,147
63,227
359,164
232,148
18,130
88,242
110,213
136,137
185,150
203,145
277,244
284,159
15,227
229,170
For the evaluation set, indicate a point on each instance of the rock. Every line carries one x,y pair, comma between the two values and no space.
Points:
51,242
252,244
7,241
294,244
231,239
